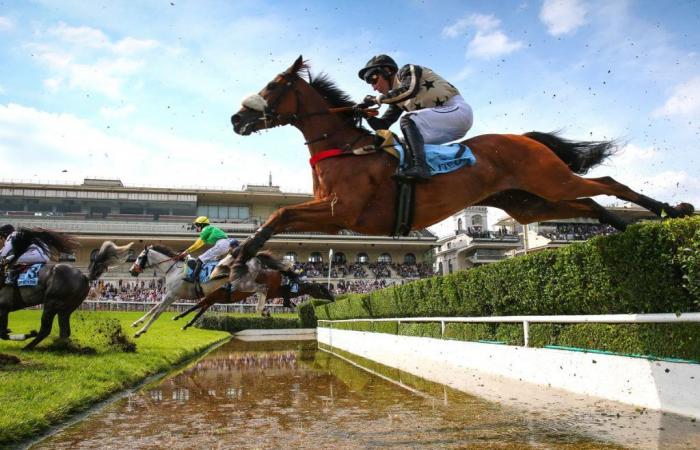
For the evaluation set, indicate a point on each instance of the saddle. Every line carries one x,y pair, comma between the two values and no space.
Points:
439,158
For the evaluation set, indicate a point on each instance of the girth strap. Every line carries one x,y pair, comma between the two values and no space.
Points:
405,207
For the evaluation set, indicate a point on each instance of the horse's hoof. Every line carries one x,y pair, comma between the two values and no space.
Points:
134,325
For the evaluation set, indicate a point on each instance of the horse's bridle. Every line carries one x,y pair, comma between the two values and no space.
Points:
144,256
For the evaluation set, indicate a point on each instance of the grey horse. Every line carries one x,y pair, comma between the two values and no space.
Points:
164,263
61,289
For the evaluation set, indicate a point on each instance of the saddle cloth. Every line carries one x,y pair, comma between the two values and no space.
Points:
440,158
207,269
28,275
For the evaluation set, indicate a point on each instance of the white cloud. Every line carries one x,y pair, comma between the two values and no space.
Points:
6,24
85,58
685,100
147,156
488,41
491,44
117,113
631,155
562,16
481,22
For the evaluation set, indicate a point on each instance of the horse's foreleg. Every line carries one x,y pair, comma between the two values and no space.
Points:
46,324
158,310
325,215
145,316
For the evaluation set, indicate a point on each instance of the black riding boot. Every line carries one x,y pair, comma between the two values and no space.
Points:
196,266
418,169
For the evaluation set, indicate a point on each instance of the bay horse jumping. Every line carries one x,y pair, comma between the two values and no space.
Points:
61,288
533,177
276,288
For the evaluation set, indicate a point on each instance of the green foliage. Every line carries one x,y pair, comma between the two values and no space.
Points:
234,323
59,378
651,268
307,316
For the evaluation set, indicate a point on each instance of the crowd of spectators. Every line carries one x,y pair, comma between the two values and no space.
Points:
577,232
127,290
346,278
478,233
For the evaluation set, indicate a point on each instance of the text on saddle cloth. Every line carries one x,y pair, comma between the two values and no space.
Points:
440,158
28,275
207,269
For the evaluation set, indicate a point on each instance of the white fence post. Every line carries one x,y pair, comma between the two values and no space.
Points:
526,332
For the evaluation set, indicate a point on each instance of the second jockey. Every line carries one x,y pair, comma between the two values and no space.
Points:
33,255
436,112
211,236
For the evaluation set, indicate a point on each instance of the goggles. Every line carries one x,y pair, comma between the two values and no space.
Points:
373,75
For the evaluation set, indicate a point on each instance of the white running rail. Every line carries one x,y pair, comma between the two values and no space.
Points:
527,320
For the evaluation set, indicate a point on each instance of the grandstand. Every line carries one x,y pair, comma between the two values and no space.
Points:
100,209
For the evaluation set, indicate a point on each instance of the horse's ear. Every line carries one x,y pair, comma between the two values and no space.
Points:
297,65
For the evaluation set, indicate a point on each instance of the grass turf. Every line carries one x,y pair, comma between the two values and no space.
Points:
54,381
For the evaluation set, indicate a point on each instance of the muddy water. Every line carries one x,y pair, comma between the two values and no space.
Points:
291,395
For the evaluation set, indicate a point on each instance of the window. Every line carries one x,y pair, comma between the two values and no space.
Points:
409,258
339,258
384,258
315,257
224,212
291,257
362,258
459,223
477,220
440,268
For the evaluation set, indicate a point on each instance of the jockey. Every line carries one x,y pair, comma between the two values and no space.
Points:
437,113
33,255
208,235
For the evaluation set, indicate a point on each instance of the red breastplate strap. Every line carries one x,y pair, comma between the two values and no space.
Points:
330,153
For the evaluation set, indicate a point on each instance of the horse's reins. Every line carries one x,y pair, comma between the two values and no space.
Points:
158,263
270,113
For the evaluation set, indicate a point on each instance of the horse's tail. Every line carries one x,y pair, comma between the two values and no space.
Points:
52,242
267,259
579,156
109,254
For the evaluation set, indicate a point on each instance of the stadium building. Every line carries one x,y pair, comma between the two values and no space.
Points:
101,209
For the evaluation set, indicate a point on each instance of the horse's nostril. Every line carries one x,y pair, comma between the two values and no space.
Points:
235,119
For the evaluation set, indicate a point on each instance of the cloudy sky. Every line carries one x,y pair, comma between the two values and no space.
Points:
143,91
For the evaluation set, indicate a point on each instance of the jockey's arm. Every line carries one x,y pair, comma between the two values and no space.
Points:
409,84
390,116
7,248
199,243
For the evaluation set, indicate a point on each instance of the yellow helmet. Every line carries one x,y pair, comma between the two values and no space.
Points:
201,220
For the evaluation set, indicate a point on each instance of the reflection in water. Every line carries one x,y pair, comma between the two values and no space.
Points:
288,394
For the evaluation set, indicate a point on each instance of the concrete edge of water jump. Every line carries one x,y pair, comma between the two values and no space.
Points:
655,385
79,415
281,334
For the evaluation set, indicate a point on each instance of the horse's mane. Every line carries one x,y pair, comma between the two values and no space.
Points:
52,242
167,251
329,90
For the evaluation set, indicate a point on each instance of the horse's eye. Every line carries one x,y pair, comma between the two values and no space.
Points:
271,85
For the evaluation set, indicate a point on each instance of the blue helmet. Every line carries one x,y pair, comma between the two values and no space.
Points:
233,243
